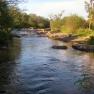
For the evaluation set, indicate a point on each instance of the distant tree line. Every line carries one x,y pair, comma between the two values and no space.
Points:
23,20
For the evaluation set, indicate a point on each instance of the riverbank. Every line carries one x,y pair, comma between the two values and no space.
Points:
77,42
67,37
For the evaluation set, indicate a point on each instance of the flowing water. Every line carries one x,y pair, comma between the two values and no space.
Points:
31,66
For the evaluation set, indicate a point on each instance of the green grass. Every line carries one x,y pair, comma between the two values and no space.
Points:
80,32
84,32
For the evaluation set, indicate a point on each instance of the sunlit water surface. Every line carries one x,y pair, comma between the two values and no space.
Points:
31,66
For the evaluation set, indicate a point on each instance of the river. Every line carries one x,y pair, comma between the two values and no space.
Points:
31,66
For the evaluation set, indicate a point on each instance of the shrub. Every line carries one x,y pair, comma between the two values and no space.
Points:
73,22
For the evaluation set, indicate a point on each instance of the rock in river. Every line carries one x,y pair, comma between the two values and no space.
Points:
84,47
59,47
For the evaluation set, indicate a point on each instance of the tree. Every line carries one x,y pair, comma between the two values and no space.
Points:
72,23
56,22
23,20
5,23
90,10
5,18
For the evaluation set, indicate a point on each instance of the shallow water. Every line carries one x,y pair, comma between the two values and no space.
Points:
31,66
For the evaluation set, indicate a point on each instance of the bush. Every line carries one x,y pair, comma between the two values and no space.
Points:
73,22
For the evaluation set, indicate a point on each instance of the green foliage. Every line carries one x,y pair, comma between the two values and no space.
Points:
11,17
90,11
38,21
72,23
56,22
23,20
67,24
65,30
6,22
5,19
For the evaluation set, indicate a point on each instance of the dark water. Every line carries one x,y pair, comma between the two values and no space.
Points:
31,66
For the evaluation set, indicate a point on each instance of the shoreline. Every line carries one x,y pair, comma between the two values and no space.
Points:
76,42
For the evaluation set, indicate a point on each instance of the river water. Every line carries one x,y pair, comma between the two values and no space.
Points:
31,66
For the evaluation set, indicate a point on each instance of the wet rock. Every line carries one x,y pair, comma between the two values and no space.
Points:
83,47
59,47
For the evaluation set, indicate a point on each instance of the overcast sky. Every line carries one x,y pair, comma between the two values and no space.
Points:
48,7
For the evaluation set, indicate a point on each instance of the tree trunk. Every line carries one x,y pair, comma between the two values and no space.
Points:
90,25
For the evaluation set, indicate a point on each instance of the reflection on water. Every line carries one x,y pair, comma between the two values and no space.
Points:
10,53
7,65
31,66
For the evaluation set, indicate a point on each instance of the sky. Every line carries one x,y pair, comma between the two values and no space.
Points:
49,7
